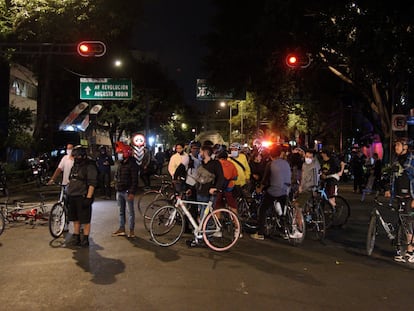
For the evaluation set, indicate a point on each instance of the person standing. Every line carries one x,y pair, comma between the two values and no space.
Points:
243,169
80,192
104,163
402,186
276,181
177,158
357,166
126,185
64,166
160,158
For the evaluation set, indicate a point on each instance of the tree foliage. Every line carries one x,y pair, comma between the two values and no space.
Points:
368,45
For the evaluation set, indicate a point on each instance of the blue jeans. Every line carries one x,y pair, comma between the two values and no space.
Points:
202,208
123,202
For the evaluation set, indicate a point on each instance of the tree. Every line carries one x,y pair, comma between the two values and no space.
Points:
19,136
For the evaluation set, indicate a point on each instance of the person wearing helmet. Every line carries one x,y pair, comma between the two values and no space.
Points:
126,185
239,160
80,191
104,162
402,186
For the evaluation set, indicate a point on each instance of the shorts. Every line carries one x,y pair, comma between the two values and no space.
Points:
331,187
77,211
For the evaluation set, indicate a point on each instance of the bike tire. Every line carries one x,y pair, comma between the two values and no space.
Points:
371,234
292,226
271,222
151,209
221,229
317,224
342,212
57,220
2,223
167,226
147,198
243,210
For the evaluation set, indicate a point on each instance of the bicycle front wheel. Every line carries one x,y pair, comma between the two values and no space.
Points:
57,220
151,209
147,198
372,234
167,226
342,212
295,225
318,223
221,229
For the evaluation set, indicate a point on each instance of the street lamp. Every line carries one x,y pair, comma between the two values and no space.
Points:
223,104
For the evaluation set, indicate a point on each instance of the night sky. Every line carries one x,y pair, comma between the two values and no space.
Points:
172,30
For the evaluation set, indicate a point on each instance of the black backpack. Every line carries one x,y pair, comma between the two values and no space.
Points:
180,173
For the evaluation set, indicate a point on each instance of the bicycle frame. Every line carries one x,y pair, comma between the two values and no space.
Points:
198,231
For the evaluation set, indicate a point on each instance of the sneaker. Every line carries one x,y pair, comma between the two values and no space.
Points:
409,257
399,258
131,234
74,240
257,236
296,235
192,243
119,232
85,241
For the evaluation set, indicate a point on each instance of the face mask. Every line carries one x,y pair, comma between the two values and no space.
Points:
213,156
120,156
68,152
308,160
234,154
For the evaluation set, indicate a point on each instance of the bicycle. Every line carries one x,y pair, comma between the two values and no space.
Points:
334,215
29,212
397,233
150,201
314,215
58,217
283,221
220,229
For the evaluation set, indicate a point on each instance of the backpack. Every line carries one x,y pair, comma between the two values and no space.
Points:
180,173
203,176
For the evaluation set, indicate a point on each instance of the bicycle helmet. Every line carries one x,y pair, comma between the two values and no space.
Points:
235,146
79,151
195,143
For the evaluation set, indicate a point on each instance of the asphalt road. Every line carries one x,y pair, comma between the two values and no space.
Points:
115,273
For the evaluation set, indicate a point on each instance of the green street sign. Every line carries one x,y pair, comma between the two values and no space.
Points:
105,89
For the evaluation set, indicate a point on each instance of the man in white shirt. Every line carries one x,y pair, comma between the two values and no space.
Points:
177,158
65,165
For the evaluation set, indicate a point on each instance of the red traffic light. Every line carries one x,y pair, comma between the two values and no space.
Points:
91,48
296,60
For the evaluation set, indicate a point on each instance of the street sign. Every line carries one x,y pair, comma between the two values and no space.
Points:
399,122
105,89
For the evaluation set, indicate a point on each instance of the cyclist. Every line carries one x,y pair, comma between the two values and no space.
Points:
276,179
403,186
331,172
310,178
241,163
65,165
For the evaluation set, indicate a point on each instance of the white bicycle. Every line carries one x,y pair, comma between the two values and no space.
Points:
220,229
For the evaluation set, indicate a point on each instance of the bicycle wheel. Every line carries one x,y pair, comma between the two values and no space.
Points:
295,226
316,224
221,229
148,197
342,212
372,234
328,212
57,220
167,226
243,210
151,209
2,223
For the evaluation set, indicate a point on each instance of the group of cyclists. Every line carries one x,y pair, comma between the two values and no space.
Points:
277,172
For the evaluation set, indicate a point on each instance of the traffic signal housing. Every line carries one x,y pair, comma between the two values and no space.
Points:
298,60
91,48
